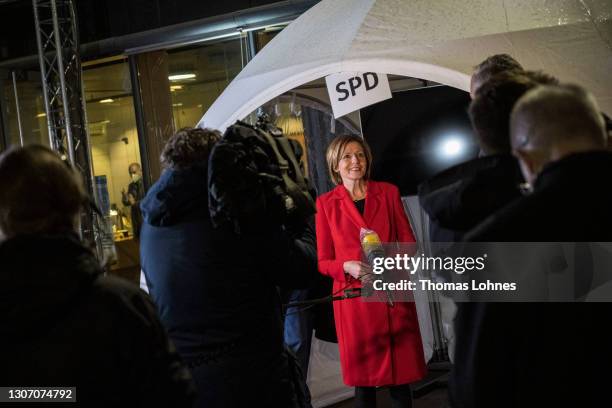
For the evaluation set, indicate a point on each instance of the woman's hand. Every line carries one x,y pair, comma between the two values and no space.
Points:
356,269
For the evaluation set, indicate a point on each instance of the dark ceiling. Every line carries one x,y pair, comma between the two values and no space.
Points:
101,19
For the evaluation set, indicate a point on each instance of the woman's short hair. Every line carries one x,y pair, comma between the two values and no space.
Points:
187,147
334,154
41,193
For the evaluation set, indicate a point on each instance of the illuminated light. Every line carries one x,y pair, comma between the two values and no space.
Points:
107,100
176,105
114,212
273,28
181,77
175,87
452,147
267,27
41,115
291,125
199,105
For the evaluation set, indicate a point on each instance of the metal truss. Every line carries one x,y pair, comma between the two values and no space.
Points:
60,66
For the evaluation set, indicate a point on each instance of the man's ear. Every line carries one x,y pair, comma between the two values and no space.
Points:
528,163
472,88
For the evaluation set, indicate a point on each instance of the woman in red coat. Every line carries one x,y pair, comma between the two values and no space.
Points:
379,345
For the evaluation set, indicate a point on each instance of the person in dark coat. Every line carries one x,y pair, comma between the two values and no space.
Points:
546,354
554,159
64,324
216,290
462,196
132,198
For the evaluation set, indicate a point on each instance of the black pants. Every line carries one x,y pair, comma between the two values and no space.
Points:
401,396
232,380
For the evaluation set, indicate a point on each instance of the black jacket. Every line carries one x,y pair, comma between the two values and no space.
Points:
571,202
216,290
457,200
136,190
535,354
462,196
64,324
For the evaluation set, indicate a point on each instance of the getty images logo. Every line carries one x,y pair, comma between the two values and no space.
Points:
405,262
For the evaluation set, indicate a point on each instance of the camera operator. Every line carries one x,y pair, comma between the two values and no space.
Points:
215,289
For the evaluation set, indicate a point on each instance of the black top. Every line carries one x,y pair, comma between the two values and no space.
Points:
360,204
571,202
216,291
213,287
64,324
461,197
136,190
536,354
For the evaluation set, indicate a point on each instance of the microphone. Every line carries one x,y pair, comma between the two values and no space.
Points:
372,248
371,245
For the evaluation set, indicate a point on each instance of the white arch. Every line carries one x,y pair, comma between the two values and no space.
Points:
240,102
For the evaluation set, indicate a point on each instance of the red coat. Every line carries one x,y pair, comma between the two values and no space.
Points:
379,345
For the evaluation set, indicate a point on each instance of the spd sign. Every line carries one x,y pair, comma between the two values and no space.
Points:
349,91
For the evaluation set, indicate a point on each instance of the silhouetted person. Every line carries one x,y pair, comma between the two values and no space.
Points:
216,290
560,142
63,323
546,354
133,196
493,65
462,196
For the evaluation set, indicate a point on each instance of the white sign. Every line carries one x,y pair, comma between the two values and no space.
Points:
349,91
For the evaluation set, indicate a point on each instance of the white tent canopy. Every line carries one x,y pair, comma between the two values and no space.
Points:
437,40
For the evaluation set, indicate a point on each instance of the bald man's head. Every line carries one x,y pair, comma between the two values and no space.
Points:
40,193
551,122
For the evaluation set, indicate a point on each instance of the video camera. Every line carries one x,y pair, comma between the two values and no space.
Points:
255,177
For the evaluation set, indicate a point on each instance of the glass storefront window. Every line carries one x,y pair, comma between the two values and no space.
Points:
111,123
31,109
264,36
114,142
199,75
